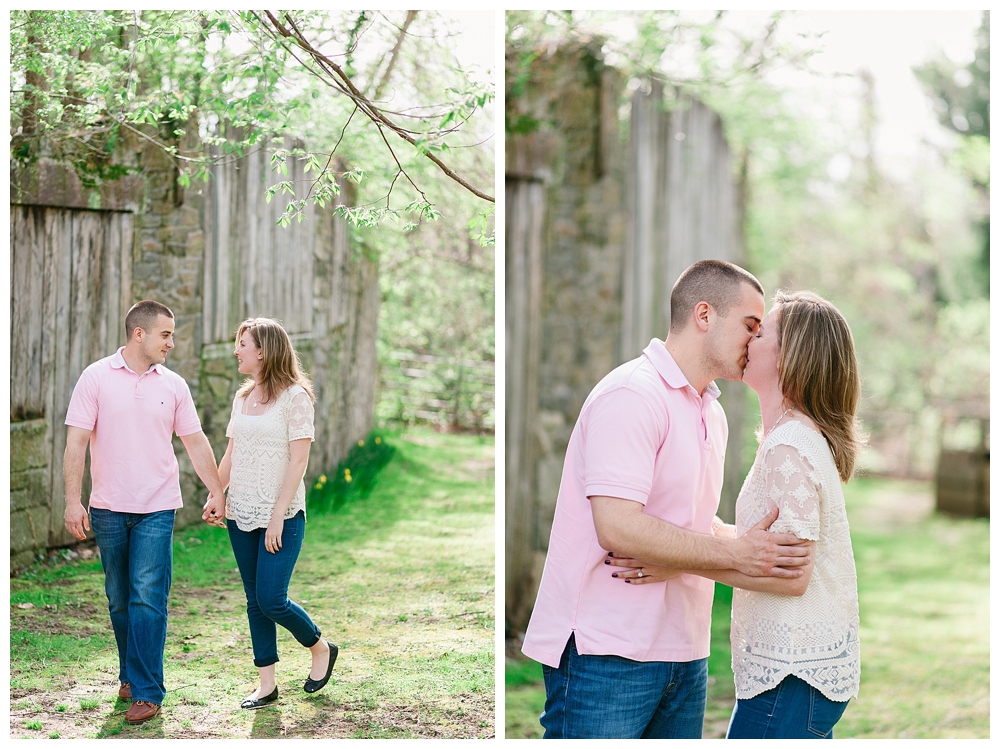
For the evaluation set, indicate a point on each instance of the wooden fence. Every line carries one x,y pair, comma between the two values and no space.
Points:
71,285
446,392
252,265
680,204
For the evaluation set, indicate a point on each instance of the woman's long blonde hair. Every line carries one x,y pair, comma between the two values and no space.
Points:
280,365
818,371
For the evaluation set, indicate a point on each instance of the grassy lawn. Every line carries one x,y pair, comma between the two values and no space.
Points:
402,580
924,590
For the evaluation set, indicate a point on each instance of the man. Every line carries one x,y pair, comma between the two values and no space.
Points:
127,407
642,478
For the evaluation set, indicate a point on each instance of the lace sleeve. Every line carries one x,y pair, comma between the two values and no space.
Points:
300,417
792,485
232,418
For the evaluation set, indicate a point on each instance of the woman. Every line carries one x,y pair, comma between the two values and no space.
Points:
796,655
270,432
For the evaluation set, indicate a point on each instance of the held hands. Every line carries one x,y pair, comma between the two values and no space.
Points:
765,554
77,520
638,572
272,536
215,511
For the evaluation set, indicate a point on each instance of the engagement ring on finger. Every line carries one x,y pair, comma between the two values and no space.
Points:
640,573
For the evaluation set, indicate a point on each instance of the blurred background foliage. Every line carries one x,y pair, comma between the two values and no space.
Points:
906,259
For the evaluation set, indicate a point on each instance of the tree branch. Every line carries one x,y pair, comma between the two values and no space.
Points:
366,106
380,88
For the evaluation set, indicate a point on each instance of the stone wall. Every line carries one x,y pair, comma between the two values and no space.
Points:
29,491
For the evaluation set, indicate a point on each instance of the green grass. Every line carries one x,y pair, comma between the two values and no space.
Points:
401,577
923,587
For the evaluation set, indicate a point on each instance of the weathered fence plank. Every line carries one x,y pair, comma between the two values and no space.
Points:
253,266
525,213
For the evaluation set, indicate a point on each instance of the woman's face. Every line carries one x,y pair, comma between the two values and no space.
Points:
762,356
250,357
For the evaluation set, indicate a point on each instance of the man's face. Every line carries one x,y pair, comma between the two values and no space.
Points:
726,347
158,340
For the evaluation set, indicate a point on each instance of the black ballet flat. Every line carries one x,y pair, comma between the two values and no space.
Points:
312,685
249,704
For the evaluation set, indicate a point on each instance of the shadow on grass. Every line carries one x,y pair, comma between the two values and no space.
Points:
267,723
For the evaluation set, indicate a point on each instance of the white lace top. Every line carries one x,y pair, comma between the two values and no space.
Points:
815,636
261,455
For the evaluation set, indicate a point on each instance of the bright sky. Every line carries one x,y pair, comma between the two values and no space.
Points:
889,44
477,43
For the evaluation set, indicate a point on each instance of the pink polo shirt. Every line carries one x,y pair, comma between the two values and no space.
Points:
644,434
132,418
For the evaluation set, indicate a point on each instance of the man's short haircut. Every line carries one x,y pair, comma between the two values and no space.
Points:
144,315
714,281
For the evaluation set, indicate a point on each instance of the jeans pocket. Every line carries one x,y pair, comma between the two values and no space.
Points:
823,714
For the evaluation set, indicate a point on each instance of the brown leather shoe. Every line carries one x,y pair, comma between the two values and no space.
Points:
140,712
125,691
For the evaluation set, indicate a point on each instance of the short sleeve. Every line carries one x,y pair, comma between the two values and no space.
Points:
792,485
82,411
622,436
300,417
186,420
231,426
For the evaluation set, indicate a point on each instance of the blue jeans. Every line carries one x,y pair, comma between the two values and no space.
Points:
609,697
137,556
792,710
265,581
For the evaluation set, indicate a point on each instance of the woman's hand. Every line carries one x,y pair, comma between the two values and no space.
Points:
215,511
637,572
272,536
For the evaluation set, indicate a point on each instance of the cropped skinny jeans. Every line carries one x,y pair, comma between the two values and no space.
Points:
265,581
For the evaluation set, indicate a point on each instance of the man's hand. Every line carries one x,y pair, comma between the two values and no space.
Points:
77,520
765,554
215,511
